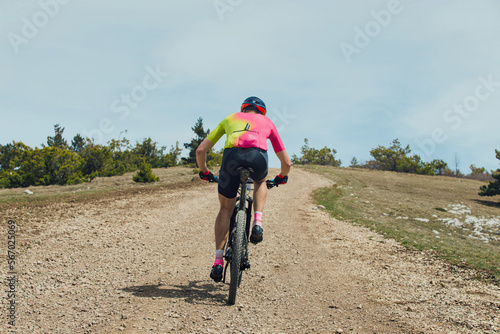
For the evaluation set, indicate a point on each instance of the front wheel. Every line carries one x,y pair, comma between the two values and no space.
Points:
238,247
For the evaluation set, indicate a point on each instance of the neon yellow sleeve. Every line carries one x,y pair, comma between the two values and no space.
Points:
216,133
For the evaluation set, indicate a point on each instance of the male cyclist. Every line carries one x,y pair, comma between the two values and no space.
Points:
246,146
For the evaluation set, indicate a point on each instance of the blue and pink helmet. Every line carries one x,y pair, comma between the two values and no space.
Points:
256,103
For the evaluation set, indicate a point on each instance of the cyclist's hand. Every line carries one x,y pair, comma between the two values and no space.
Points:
280,180
208,176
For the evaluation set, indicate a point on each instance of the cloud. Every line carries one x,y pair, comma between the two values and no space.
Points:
287,52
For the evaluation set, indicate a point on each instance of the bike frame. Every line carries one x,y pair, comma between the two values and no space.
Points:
236,248
243,202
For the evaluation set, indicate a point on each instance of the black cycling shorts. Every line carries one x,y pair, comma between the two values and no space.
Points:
229,176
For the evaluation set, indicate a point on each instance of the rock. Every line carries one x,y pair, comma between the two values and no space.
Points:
27,191
339,330
315,208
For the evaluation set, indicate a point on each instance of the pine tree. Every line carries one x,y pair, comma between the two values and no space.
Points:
58,140
398,159
150,151
201,134
354,162
387,158
172,157
145,174
493,188
313,156
78,143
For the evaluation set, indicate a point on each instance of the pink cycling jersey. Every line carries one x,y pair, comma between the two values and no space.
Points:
247,130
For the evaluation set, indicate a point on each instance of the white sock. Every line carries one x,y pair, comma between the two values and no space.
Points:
219,257
257,218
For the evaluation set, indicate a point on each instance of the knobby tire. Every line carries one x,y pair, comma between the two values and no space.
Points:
238,246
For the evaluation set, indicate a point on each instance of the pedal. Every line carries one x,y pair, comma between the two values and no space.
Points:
245,265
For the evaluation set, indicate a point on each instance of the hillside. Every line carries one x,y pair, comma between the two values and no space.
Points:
119,259
442,214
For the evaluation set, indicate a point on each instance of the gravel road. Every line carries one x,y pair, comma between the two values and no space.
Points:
139,262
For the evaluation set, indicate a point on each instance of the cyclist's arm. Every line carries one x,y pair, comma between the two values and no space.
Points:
206,145
286,164
201,155
280,151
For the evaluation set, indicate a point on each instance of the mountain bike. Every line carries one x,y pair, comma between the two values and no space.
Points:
236,248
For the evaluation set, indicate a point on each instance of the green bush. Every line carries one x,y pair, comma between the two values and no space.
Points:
173,157
58,163
493,188
398,159
313,156
145,174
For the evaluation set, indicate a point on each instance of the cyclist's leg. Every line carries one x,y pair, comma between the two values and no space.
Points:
222,220
259,162
228,189
259,195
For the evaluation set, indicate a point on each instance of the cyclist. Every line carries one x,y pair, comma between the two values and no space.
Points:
246,132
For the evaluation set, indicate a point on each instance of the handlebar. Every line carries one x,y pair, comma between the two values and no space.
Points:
269,183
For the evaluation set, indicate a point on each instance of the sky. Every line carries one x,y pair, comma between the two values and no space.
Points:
346,75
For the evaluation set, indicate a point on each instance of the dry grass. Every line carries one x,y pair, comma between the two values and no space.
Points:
413,208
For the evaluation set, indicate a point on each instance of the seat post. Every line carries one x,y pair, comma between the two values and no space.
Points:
244,175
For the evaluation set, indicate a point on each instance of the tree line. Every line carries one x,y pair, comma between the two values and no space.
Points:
60,162
397,158
81,160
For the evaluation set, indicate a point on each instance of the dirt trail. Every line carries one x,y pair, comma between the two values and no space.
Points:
139,263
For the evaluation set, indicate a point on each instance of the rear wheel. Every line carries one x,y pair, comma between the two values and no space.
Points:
238,247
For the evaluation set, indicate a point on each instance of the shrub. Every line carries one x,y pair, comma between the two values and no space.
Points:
145,174
313,156
493,188
398,159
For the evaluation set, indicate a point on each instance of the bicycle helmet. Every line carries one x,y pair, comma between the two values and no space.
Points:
256,103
